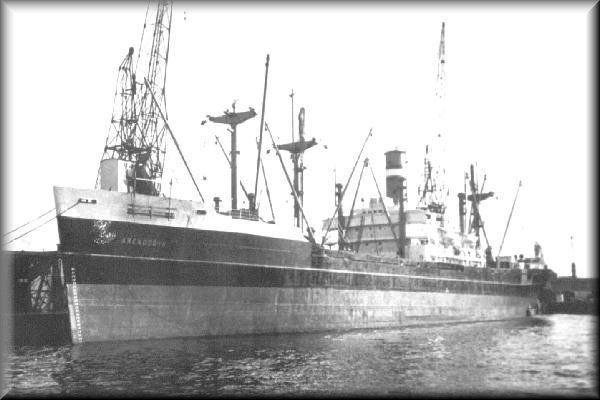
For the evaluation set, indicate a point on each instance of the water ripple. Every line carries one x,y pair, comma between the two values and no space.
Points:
534,356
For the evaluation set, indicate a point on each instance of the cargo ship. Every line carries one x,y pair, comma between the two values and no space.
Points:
139,264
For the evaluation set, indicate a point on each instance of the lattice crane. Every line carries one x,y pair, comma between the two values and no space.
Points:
433,193
137,131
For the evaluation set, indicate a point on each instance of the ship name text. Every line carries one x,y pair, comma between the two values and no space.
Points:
143,242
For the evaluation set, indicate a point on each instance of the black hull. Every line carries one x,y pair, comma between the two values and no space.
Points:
98,269
177,243
125,298
131,280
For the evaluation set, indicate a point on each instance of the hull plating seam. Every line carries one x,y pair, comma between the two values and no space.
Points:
116,312
338,271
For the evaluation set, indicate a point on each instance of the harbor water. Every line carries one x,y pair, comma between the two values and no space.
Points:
542,355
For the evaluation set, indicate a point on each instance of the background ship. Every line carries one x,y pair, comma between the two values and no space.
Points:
139,264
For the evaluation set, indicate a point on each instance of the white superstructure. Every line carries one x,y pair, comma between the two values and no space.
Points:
369,231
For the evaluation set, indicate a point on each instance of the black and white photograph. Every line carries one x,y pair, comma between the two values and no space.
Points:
329,199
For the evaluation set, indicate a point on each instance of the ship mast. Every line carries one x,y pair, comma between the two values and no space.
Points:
233,119
432,194
137,130
297,149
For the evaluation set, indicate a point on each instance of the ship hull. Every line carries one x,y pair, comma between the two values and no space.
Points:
150,267
124,298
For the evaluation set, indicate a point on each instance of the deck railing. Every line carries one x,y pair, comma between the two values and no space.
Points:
243,214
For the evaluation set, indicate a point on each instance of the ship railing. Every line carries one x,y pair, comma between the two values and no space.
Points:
243,214
150,211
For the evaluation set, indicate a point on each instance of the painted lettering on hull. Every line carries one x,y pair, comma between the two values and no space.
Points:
135,241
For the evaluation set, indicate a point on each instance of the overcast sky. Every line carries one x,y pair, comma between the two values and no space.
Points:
517,104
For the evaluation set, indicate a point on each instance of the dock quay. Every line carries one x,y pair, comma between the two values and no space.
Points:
573,296
40,313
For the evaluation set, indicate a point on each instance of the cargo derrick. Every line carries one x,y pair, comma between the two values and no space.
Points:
136,135
432,194
477,225
391,192
338,206
395,189
341,223
344,227
509,217
253,205
309,229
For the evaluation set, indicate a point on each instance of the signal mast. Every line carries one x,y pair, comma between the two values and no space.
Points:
297,149
433,193
137,131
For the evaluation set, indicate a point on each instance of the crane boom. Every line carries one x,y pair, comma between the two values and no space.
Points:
509,217
433,193
137,129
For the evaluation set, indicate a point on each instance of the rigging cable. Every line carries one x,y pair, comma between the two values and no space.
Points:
339,206
39,226
262,119
365,164
309,229
383,204
28,222
229,162
508,222
267,187
142,39
266,184
173,137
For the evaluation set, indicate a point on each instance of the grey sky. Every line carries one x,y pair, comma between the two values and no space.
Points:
517,103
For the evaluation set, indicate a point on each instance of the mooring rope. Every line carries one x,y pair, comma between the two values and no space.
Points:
28,222
39,226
